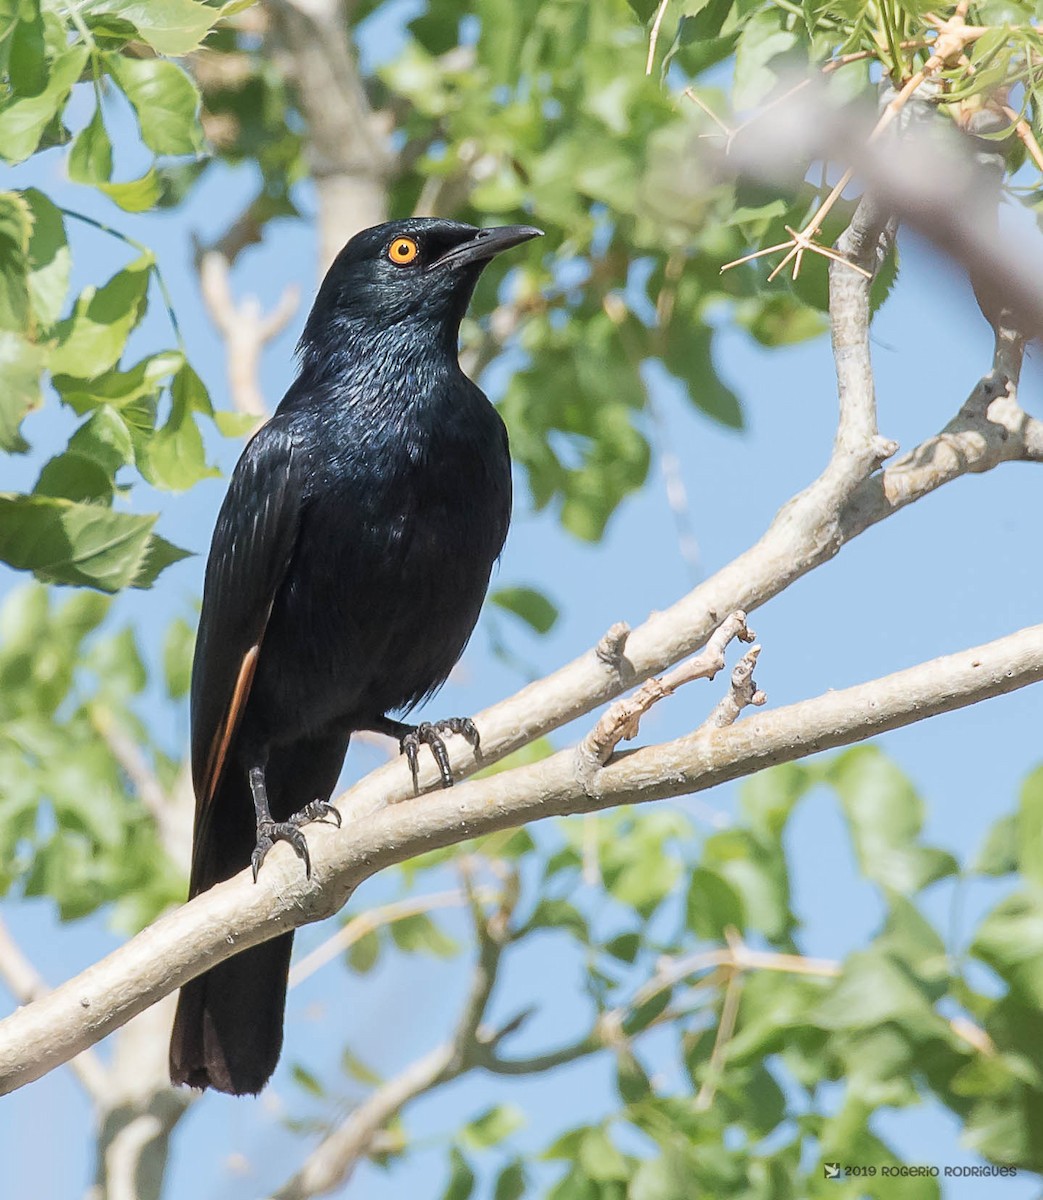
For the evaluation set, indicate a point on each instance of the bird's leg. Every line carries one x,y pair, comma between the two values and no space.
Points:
269,831
412,737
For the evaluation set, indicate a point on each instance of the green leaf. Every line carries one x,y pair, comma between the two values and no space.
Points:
82,544
49,259
27,59
885,818
172,27
876,988
769,797
74,477
159,554
600,1158
664,1177
16,224
461,1177
493,1126
105,438
531,606
419,932
174,458
510,1183
363,953
178,644
756,870
23,121
90,156
356,1069
642,1015
306,1080
234,424
688,354
559,914
1010,940
762,41
624,947
713,905
136,195
999,855
1030,827
133,392
165,99
632,1081
20,365
780,320
92,339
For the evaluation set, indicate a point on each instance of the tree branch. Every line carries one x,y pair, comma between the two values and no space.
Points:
26,984
385,826
347,145
332,1162
246,330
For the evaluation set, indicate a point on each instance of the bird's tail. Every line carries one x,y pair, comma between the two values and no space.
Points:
228,1028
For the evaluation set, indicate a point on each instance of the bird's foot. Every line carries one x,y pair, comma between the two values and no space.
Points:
269,832
427,733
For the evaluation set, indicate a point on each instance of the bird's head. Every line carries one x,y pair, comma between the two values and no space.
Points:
419,271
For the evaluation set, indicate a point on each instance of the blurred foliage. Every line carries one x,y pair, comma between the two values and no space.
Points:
664,925
74,527
72,823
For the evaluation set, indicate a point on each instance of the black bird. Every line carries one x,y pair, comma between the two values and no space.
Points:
349,562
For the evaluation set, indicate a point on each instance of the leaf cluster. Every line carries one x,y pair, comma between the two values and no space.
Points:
74,527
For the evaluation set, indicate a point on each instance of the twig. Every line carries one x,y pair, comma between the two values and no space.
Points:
622,721
1024,132
332,1162
653,37
173,819
742,693
725,1029
374,918
245,328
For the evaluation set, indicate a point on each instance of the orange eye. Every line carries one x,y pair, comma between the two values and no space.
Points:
402,251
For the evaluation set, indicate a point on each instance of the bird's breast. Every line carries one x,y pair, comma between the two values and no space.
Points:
393,557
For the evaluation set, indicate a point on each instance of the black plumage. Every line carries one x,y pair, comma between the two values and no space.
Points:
349,562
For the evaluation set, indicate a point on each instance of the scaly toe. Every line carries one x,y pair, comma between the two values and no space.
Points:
280,831
317,810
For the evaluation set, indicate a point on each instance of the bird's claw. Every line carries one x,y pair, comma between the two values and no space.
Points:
270,832
427,733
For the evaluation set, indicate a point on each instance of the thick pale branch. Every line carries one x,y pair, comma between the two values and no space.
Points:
26,984
377,834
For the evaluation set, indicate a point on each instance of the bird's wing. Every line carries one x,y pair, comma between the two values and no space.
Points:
251,549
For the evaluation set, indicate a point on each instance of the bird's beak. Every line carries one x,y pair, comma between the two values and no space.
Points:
486,244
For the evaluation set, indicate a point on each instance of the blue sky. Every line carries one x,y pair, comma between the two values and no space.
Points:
955,570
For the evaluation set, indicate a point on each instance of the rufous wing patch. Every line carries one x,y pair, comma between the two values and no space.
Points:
223,738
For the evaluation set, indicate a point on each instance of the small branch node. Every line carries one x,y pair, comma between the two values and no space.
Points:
610,648
883,449
622,721
742,693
